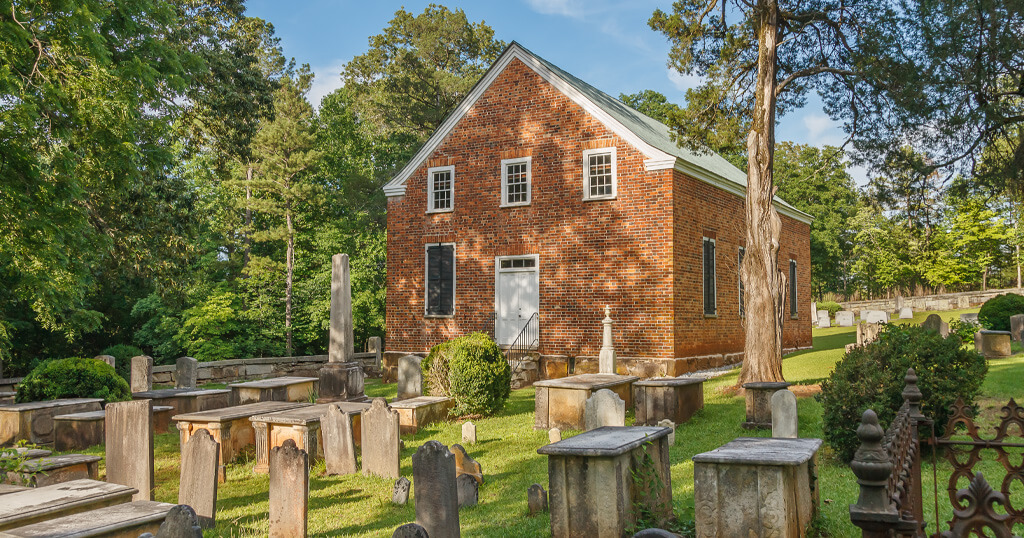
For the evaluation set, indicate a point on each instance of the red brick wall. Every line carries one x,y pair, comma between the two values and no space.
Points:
615,252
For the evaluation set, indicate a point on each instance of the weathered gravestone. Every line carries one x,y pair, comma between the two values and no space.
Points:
758,402
906,313
129,446
969,318
469,490
341,378
469,433
380,438
554,435
785,422
186,371
874,316
606,360
934,323
109,359
410,377
289,491
200,463
464,464
844,318
867,332
142,373
339,442
604,408
435,491
823,320
536,499
410,530
181,522
666,423
400,494
1017,327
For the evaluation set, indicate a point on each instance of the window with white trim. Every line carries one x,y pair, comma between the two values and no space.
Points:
440,188
793,310
440,279
515,181
599,181
739,277
710,298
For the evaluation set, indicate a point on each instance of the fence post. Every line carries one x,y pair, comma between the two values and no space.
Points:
873,513
912,398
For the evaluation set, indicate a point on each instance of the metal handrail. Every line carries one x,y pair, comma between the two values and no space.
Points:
524,343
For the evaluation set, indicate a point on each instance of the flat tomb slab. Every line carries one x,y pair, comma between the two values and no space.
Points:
51,470
762,451
77,431
186,400
301,425
606,441
11,488
279,389
588,381
129,519
672,398
560,403
33,421
50,502
415,413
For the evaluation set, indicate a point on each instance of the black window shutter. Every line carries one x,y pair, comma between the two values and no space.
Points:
743,309
792,288
440,280
709,277
433,280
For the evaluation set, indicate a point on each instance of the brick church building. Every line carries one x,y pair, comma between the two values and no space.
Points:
542,200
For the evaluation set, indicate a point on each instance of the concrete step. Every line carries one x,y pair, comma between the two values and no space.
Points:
51,502
129,519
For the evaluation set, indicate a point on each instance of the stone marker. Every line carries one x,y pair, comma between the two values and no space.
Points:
934,323
142,373
823,320
784,416
400,495
129,446
181,522
200,463
341,378
758,402
289,490
666,423
109,359
906,313
375,346
606,360
993,344
469,433
186,371
410,377
554,435
410,530
969,318
469,490
867,333
874,316
844,318
1017,327
536,499
380,437
464,464
339,442
604,408
435,491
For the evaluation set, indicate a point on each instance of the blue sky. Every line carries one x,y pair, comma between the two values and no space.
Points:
604,42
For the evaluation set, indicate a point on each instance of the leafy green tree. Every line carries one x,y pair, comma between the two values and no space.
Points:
880,257
975,238
652,103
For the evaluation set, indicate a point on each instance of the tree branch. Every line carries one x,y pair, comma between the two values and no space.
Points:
810,71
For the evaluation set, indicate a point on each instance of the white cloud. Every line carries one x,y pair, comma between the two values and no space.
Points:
328,79
683,82
568,8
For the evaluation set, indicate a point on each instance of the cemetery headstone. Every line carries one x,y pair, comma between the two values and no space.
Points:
289,490
200,463
666,423
874,316
464,464
142,373
823,320
341,378
375,346
435,491
554,435
186,372
1017,327
339,442
906,313
969,318
400,495
410,377
410,530
181,522
606,360
469,490
129,446
844,318
469,433
380,438
109,359
604,408
784,414
934,323
814,309
536,499
867,332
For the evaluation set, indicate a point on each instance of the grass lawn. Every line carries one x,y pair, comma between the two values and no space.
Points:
361,506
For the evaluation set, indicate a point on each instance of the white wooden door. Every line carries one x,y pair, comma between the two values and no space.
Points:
518,298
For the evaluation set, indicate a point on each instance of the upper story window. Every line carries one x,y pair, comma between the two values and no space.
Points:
440,273
599,182
440,188
710,296
515,181
793,310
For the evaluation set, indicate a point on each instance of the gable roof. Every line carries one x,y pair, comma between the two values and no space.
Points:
648,135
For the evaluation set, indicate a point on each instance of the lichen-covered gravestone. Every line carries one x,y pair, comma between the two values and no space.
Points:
129,446
1017,327
604,408
410,377
400,494
186,372
289,491
181,522
435,491
142,373
200,463
469,490
339,442
410,530
464,464
784,415
666,423
380,440
536,499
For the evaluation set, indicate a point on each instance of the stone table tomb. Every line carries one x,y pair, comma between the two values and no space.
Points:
415,413
592,491
561,403
77,431
277,389
49,502
301,425
183,401
756,487
672,398
993,344
33,421
50,470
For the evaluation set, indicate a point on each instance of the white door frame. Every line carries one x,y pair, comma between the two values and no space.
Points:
497,286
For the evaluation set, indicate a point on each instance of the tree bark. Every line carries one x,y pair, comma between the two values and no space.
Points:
248,217
290,264
765,284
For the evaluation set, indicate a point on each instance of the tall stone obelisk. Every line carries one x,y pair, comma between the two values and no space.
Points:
606,360
341,379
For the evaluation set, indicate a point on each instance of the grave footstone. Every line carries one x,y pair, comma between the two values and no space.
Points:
464,464
469,433
400,494
410,530
380,440
666,423
129,446
410,377
784,414
1017,327
906,313
289,490
142,373
604,408
181,522
435,491
200,462
469,490
339,442
554,435
606,360
186,371
844,318
536,499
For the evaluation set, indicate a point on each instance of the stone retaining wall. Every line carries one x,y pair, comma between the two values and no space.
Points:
230,371
948,301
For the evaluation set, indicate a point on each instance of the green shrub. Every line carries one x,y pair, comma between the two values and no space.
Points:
871,376
995,313
471,370
964,330
122,354
831,306
73,378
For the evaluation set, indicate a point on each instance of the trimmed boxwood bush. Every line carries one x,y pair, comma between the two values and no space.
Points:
73,378
995,313
871,376
122,354
471,370
831,306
